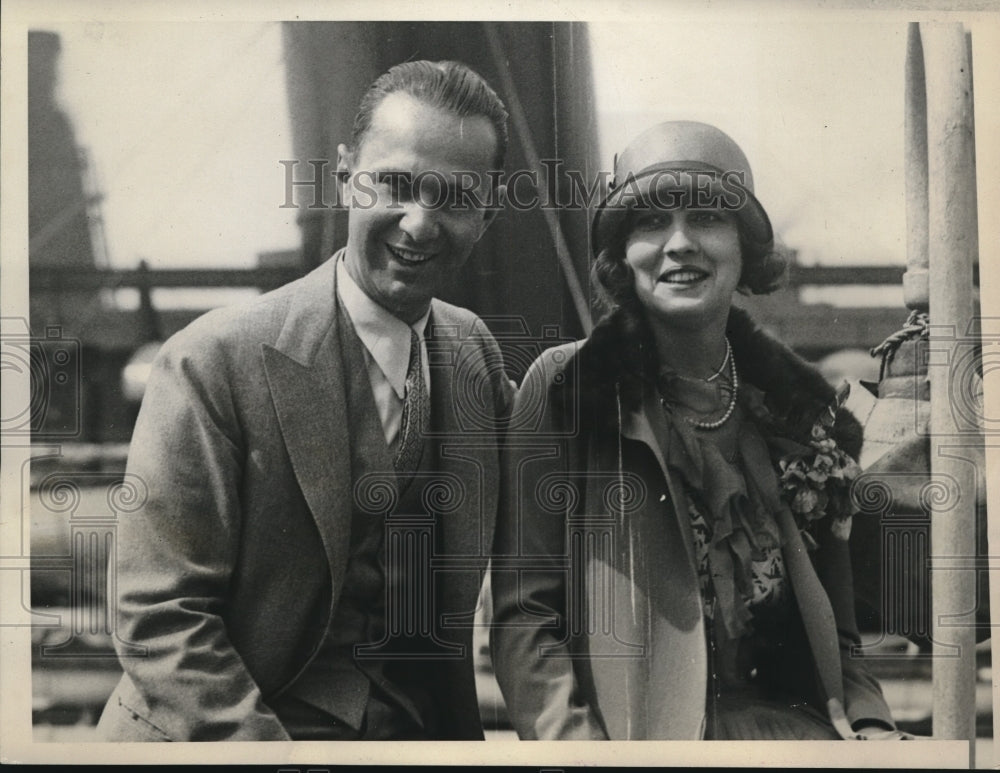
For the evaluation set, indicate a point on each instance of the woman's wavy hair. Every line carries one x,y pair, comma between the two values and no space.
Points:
763,269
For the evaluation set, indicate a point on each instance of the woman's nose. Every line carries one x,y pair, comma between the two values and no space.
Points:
679,239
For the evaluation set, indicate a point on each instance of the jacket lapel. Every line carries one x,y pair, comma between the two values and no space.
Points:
465,531
648,696
649,426
304,374
817,615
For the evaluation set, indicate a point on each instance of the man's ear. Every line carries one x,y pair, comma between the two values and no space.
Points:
345,159
490,212
345,163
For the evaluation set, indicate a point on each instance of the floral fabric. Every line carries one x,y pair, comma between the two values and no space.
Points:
767,572
737,499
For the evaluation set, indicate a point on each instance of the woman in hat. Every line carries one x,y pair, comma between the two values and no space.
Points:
671,560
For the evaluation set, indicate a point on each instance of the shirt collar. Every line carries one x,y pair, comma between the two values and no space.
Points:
386,337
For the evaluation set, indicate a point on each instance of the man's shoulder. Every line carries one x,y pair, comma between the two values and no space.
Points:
443,312
463,322
261,319
233,323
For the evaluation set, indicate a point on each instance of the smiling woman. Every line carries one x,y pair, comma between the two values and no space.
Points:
693,610
686,264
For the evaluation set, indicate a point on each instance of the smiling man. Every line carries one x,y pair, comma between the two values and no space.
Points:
308,474
414,219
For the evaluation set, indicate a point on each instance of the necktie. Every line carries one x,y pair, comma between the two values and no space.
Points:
416,412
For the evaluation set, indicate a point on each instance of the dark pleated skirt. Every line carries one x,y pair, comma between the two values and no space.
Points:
755,719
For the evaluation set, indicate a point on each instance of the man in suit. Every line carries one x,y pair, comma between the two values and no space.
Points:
321,464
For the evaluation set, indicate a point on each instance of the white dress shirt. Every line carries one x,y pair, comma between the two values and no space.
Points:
386,341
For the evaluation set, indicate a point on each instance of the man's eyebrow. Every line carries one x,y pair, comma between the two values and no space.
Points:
390,175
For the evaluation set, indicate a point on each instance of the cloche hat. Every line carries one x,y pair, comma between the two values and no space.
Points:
681,163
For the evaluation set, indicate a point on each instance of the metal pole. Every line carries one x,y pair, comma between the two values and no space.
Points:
915,291
953,246
523,129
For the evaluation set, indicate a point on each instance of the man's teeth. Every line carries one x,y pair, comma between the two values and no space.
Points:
409,256
683,276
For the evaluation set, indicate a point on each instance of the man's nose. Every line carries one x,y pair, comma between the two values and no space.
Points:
420,221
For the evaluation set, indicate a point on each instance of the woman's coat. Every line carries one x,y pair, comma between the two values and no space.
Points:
598,626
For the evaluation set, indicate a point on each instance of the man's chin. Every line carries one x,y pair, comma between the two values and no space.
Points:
408,305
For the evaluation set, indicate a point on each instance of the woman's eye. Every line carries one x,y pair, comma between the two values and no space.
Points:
650,221
710,216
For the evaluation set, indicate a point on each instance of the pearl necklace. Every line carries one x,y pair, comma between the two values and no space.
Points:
732,399
722,367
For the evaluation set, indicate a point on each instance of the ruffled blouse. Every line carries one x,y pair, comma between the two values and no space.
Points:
731,506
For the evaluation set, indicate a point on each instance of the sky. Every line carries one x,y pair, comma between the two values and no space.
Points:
816,107
185,125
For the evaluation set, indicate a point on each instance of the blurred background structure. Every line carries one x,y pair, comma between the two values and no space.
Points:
179,222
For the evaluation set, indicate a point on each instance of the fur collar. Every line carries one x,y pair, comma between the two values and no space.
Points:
619,354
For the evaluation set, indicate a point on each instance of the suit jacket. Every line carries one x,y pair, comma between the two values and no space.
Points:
598,620
229,568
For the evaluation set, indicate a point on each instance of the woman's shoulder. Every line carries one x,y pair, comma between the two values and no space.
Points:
548,389
794,392
550,367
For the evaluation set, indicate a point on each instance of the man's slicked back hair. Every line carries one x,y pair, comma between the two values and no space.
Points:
448,85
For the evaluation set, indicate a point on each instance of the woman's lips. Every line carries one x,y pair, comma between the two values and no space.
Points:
683,276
